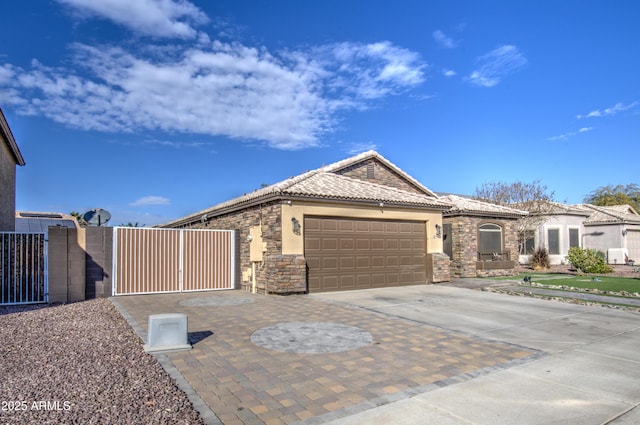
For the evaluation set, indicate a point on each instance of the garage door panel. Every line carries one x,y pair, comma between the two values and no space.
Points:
346,226
330,283
363,244
313,224
347,263
378,262
347,254
329,263
377,245
312,245
363,262
378,280
347,244
347,282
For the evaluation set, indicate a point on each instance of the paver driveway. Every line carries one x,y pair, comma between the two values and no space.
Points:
438,354
246,383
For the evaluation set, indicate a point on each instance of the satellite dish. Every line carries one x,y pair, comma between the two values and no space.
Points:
97,216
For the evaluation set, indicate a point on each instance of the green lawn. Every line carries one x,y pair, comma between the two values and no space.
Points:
603,283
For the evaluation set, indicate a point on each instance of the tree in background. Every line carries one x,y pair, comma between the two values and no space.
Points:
607,196
130,224
533,197
78,218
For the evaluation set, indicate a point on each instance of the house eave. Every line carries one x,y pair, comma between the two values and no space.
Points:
11,142
283,197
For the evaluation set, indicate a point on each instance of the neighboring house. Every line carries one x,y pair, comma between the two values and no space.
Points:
615,231
39,222
559,228
480,238
358,223
10,157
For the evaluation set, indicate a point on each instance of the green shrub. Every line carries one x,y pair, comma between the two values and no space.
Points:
540,259
588,260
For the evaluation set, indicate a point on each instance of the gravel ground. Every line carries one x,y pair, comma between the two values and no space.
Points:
82,363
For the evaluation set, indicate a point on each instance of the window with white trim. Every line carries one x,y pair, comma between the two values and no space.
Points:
553,241
490,238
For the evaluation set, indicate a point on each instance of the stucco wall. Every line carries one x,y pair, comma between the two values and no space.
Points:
603,237
7,189
563,223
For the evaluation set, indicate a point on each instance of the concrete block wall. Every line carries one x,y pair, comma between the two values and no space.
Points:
66,265
98,261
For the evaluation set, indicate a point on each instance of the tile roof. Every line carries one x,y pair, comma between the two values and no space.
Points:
556,208
335,186
608,215
465,205
323,183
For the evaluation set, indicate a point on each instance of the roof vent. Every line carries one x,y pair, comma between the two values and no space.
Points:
370,171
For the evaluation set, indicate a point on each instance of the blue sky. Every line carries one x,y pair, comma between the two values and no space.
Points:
157,109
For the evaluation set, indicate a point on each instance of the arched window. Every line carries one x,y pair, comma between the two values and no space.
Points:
490,238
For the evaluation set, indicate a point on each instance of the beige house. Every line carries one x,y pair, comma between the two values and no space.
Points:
10,157
358,223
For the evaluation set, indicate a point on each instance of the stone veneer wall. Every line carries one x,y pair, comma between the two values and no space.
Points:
382,175
438,268
278,274
464,235
286,274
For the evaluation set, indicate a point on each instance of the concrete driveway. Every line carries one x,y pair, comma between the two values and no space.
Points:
590,373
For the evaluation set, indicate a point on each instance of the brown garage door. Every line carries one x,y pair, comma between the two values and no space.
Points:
344,254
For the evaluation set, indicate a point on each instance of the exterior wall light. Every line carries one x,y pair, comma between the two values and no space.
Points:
624,232
438,231
296,225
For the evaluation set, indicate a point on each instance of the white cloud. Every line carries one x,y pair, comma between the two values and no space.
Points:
567,136
608,112
449,72
150,200
496,65
160,18
443,41
357,148
287,99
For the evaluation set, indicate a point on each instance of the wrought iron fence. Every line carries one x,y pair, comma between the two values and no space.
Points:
23,268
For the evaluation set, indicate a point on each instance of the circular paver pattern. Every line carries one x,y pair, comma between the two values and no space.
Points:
215,301
311,337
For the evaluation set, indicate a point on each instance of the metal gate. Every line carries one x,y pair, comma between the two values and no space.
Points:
149,260
23,268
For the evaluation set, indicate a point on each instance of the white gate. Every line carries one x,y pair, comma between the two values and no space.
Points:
23,268
150,260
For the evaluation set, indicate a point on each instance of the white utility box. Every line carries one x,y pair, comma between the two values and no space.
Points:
167,332
616,255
